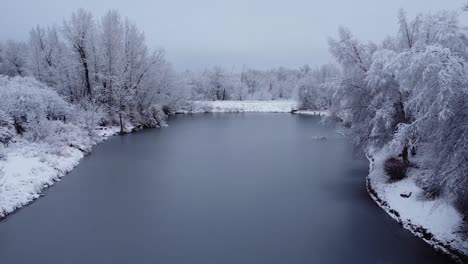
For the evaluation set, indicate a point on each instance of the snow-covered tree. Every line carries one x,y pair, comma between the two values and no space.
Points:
31,106
217,83
353,96
315,88
409,95
249,84
437,83
79,33
409,32
14,58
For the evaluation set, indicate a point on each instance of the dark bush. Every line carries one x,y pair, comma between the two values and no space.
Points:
396,169
104,122
153,117
167,110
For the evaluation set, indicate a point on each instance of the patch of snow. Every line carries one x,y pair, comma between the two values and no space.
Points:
29,168
439,218
311,112
105,132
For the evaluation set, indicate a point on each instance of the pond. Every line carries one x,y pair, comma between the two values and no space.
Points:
214,188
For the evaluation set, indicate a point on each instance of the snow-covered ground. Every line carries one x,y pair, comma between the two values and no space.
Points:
28,168
311,112
283,106
435,221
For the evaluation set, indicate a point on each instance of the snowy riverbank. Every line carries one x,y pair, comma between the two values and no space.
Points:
28,168
434,221
311,112
283,106
278,106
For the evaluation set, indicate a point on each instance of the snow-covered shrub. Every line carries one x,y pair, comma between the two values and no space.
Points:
66,134
89,115
154,116
167,109
7,130
31,105
396,169
312,96
314,90
36,129
56,108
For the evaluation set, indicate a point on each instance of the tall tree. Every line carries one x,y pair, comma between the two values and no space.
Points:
79,33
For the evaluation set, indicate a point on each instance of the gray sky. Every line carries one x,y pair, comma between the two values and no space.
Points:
256,33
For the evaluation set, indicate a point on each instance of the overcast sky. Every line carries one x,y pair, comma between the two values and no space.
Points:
256,33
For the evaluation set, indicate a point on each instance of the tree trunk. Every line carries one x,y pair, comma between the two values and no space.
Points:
121,123
84,61
404,154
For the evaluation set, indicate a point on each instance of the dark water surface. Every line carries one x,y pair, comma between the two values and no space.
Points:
214,188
